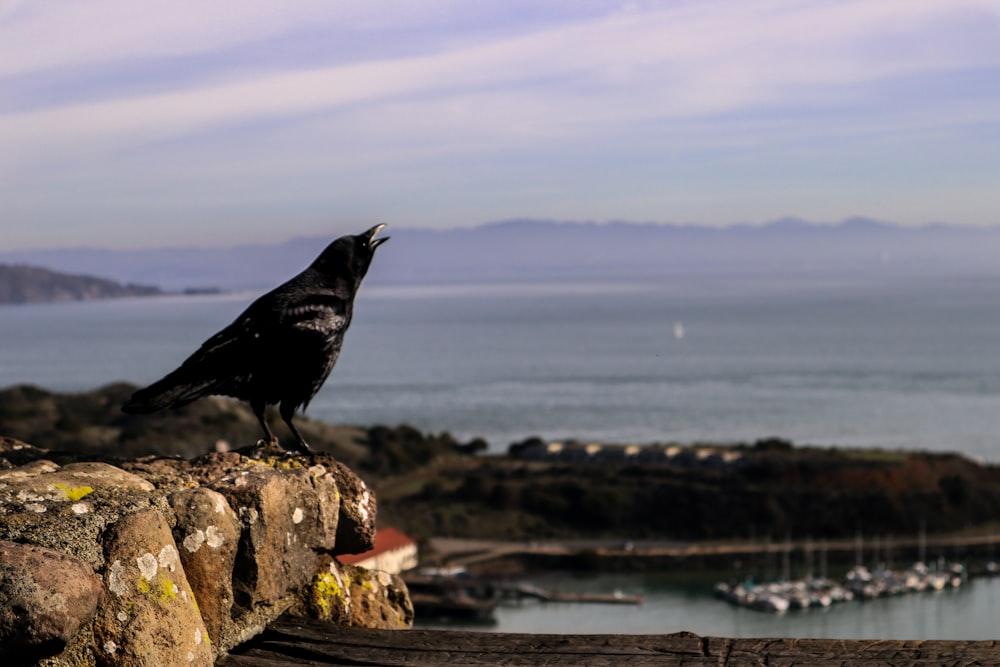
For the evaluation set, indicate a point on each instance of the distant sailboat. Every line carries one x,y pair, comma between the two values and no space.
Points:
678,331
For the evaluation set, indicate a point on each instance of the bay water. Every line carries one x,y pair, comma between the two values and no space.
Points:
901,364
841,361
676,602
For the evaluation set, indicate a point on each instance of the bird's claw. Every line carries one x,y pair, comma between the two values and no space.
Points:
263,445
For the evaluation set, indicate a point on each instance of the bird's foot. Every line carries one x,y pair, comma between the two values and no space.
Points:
301,448
264,447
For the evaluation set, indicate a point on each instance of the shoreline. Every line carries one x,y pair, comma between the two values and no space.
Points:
508,558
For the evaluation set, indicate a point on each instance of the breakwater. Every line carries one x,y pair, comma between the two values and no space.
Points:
765,558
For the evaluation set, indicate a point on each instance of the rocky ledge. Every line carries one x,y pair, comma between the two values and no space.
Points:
162,561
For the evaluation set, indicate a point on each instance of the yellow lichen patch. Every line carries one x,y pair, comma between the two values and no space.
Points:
282,463
194,601
74,494
325,589
168,591
143,585
277,462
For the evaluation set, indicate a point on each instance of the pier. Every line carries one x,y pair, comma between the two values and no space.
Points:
450,596
529,591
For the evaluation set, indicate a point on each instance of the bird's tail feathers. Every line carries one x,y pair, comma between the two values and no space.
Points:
170,392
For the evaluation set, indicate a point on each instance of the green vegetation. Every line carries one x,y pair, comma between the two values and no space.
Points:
771,491
431,484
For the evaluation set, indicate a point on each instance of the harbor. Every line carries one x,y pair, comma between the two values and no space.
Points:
676,602
834,589
858,584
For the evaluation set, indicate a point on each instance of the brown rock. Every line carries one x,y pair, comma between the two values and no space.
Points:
249,534
49,481
66,508
356,526
45,596
357,507
165,474
213,466
286,514
207,534
351,595
150,616
14,453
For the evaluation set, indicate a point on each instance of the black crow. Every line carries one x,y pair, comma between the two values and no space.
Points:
283,346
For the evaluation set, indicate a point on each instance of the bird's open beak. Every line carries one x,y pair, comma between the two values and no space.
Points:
372,233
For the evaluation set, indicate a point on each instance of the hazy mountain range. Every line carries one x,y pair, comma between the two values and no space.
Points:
519,250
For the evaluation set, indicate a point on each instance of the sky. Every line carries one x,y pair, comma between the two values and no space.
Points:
130,125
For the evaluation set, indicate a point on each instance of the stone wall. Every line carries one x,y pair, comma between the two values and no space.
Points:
174,562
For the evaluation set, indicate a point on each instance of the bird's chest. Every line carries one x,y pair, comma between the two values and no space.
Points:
302,352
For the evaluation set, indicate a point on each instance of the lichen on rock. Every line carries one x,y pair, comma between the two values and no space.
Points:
193,557
354,596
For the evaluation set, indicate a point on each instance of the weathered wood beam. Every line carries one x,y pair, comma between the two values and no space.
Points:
301,642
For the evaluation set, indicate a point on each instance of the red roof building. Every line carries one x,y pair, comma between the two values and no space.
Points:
393,552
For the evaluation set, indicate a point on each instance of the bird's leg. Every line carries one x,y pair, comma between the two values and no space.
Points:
287,411
258,410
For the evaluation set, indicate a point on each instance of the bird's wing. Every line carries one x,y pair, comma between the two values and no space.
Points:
325,314
220,362
224,364
267,329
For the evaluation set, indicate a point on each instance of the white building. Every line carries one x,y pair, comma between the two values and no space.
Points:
393,552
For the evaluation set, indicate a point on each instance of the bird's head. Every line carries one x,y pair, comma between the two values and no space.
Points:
351,254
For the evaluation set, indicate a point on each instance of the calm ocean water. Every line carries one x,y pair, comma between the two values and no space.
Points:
873,362
676,602
863,362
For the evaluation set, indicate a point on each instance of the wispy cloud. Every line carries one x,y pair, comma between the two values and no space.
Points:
159,97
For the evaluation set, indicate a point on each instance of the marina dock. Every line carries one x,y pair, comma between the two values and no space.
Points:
475,598
529,591
857,584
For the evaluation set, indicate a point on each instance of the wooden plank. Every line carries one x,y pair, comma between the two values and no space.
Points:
301,642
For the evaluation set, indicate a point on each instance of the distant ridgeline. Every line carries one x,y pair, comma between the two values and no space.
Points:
542,250
28,284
